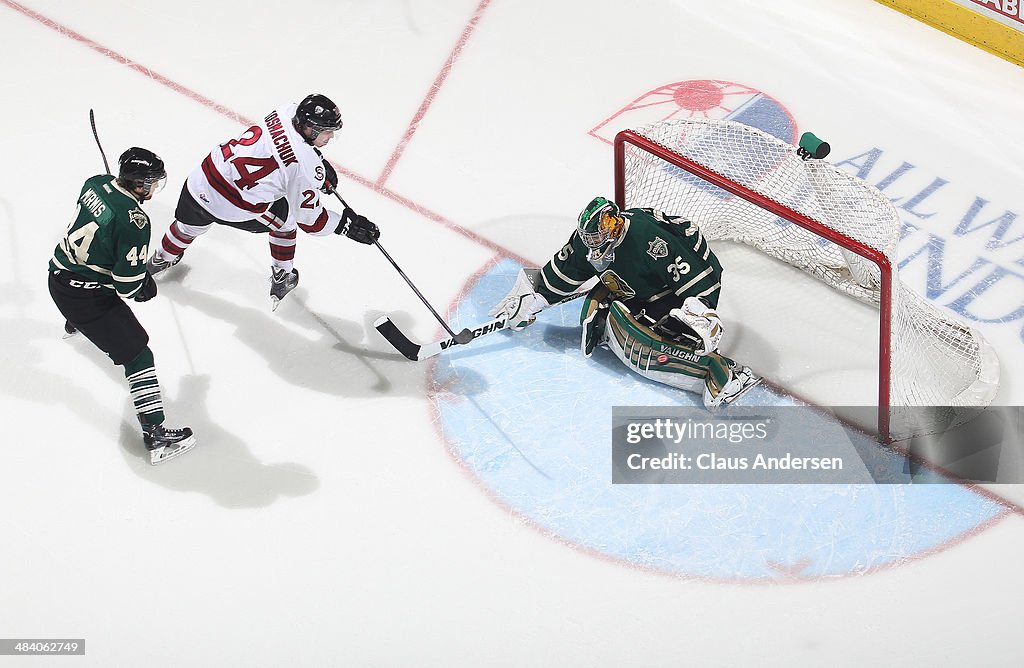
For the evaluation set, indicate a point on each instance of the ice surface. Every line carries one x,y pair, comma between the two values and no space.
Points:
348,507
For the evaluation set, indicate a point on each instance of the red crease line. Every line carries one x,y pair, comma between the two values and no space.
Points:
125,60
234,116
435,87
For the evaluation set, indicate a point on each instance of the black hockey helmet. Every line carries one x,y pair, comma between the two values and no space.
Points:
317,113
141,168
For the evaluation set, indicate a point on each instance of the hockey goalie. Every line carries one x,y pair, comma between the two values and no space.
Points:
654,305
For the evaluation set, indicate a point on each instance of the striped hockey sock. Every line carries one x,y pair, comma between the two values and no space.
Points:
178,238
282,249
145,388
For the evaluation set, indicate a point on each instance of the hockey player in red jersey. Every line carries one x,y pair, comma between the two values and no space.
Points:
267,179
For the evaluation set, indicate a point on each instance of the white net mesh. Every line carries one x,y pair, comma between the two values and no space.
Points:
935,360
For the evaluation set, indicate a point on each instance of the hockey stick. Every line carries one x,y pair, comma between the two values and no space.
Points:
465,336
69,329
96,136
417,352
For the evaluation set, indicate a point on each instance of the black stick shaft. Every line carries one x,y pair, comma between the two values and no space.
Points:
415,289
407,279
96,136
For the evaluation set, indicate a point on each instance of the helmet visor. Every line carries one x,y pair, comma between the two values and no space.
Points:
325,127
158,184
154,185
317,126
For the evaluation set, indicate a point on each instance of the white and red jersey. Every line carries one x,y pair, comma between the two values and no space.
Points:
242,177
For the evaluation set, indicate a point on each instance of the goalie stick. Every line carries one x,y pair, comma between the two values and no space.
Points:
417,352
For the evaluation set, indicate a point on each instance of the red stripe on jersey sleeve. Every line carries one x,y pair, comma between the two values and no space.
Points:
317,225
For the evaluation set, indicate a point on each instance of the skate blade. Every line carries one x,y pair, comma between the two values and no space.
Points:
274,301
746,388
68,335
169,452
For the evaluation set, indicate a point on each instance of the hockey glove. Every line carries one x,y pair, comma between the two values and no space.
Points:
703,320
148,289
330,178
358,228
521,305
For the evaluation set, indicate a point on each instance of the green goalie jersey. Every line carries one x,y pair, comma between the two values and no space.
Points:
108,240
660,258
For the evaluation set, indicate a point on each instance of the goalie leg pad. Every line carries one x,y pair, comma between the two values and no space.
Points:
652,357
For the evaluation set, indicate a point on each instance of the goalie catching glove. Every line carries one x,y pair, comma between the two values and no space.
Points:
522,304
703,320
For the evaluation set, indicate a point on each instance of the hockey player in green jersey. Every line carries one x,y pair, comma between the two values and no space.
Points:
100,262
654,305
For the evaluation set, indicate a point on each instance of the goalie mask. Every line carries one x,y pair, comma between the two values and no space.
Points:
601,227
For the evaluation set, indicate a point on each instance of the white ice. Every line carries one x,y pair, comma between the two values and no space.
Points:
335,513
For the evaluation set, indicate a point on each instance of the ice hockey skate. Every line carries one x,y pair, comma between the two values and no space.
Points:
157,263
743,379
281,283
165,444
69,330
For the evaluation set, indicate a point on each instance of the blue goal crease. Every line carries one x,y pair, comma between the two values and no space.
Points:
532,419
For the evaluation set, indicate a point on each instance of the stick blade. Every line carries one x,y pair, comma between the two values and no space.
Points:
396,338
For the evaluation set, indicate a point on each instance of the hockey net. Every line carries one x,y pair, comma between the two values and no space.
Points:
743,185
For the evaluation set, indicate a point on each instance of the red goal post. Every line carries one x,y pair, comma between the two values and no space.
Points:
741,184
